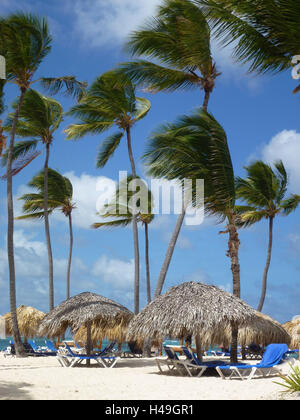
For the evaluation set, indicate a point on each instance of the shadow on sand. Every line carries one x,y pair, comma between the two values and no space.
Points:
14,391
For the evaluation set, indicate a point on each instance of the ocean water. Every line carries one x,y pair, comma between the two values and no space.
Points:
41,342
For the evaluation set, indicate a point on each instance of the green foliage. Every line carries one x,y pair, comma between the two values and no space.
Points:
39,117
264,34
264,191
195,147
292,381
179,39
60,193
110,101
120,208
24,41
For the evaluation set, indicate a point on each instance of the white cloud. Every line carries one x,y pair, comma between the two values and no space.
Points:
111,277
285,146
86,192
114,271
100,21
26,242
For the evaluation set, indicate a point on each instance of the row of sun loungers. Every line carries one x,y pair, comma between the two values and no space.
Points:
272,358
68,358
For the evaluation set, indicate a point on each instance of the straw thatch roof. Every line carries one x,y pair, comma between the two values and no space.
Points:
264,331
98,333
28,320
108,316
191,309
293,328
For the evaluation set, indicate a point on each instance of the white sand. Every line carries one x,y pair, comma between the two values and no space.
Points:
131,379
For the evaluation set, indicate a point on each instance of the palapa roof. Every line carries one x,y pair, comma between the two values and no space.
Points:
189,309
264,331
28,321
293,328
79,310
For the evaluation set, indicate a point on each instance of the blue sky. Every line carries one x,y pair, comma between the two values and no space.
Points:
261,118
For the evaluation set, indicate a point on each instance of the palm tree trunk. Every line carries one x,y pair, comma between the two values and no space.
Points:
233,254
70,256
147,263
47,230
135,234
169,254
20,352
199,347
89,344
206,99
265,276
174,238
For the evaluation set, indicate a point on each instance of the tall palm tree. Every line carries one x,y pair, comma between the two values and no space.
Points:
24,42
195,147
60,197
263,33
179,39
2,106
39,118
121,213
264,192
111,101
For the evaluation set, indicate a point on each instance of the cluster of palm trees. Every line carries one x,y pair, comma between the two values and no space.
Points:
172,52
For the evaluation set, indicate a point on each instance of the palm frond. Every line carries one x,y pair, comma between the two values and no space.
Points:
262,32
290,204
108,148
26,41
113,223
60,192
68,85
195,147
39,116
157,78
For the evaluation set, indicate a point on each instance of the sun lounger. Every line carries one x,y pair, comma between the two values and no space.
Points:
50,346
193,363
71,359
271,359
37,351
170,361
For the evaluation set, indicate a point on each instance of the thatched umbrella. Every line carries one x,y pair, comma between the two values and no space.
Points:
293,328
85,310
28,320
98,333
264,331
191,309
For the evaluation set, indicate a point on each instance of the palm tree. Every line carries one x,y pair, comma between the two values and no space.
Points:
121,212
24,42
195,147
60,197
264,192
179,38
38,120
264,33
111,101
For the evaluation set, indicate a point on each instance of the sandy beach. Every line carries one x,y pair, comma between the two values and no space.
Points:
131,379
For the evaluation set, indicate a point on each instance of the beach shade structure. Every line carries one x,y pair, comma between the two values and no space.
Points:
86,310
29,320
264,331
191,309
2,328
293,328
